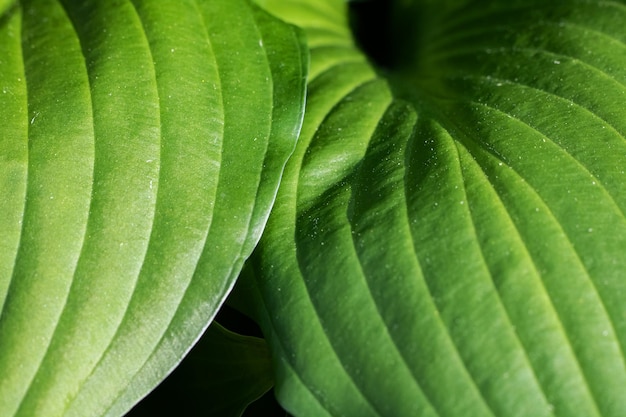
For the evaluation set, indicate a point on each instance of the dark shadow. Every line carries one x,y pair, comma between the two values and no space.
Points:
370,21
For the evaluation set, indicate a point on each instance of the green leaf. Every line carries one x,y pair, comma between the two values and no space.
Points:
222,374
139,158
465,259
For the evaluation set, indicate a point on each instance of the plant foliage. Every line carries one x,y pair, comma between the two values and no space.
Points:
144,144
446,238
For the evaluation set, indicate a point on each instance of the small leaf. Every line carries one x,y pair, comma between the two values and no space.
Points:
221,375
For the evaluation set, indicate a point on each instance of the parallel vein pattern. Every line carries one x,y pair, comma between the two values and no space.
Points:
465,259
140,157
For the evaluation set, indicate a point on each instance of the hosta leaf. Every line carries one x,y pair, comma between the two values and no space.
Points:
142,145
465,259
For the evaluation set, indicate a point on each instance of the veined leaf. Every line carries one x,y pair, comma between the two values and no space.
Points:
465,259
141,148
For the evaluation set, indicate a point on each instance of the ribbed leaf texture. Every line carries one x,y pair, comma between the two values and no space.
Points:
141,147
459,253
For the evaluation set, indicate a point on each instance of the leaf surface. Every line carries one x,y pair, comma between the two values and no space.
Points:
142,146
461,254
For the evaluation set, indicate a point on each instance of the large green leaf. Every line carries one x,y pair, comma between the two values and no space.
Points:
141,147
466,259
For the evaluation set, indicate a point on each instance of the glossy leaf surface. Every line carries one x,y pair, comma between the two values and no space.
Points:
461,255
141,147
